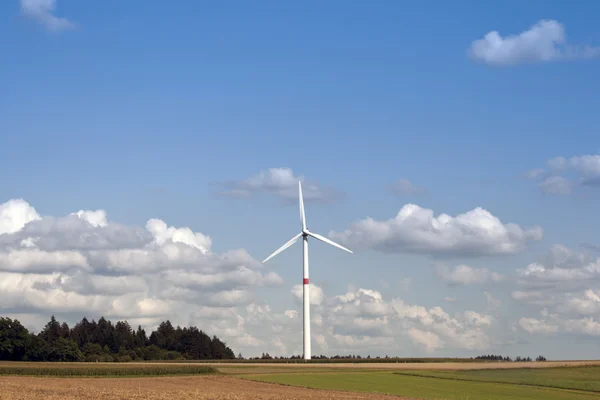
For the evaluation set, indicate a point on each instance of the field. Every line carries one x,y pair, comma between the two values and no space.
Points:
456,381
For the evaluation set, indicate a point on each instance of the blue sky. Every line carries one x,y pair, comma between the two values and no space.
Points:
148,110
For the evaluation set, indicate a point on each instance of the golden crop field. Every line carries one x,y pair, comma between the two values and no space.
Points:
161,388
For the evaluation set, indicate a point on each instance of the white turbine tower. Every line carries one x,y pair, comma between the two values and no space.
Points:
305,233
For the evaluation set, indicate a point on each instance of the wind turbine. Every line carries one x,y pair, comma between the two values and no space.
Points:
305,233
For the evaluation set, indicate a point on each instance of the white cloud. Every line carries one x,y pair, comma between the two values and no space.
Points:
282,183
404,187
584,326
562,256
533,326
554,323
543,42
466,330
556,185
42,11
586,304
561,274
363,321
85,264
95,218
583,171
588,167
477,319
315,293
466,275
34,260
417,230
538,275
162,234
15,214
429,340
567,286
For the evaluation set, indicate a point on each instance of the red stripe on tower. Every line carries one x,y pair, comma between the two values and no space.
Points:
306,281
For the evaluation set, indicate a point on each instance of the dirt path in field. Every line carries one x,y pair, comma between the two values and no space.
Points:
164,388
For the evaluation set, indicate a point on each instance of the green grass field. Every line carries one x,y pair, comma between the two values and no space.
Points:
579,378
580,383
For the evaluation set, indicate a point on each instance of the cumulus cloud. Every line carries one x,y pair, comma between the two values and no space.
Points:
83,264
556,185
363,321
567,286
554,323
532,325
584,304
404,187
588,166
93,217
162,234
565,257
363,318
465,330
315,293
42,11
543,42
74,233
559,277
429,340
15,214
466,275
569,174
282,183
417,230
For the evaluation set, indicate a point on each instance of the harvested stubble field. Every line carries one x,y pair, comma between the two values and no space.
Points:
573,380
162,388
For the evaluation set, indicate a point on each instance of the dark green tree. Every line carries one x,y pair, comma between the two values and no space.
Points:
103,341
52,331
14,340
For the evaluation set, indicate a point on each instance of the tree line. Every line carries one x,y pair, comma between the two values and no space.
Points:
104,341
493,357
267,356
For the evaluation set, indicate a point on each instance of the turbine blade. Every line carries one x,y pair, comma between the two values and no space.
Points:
328,241
302,215
285,246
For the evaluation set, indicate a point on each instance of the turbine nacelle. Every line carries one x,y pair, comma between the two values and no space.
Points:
305,233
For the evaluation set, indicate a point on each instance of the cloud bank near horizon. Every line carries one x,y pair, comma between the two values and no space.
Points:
84,264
